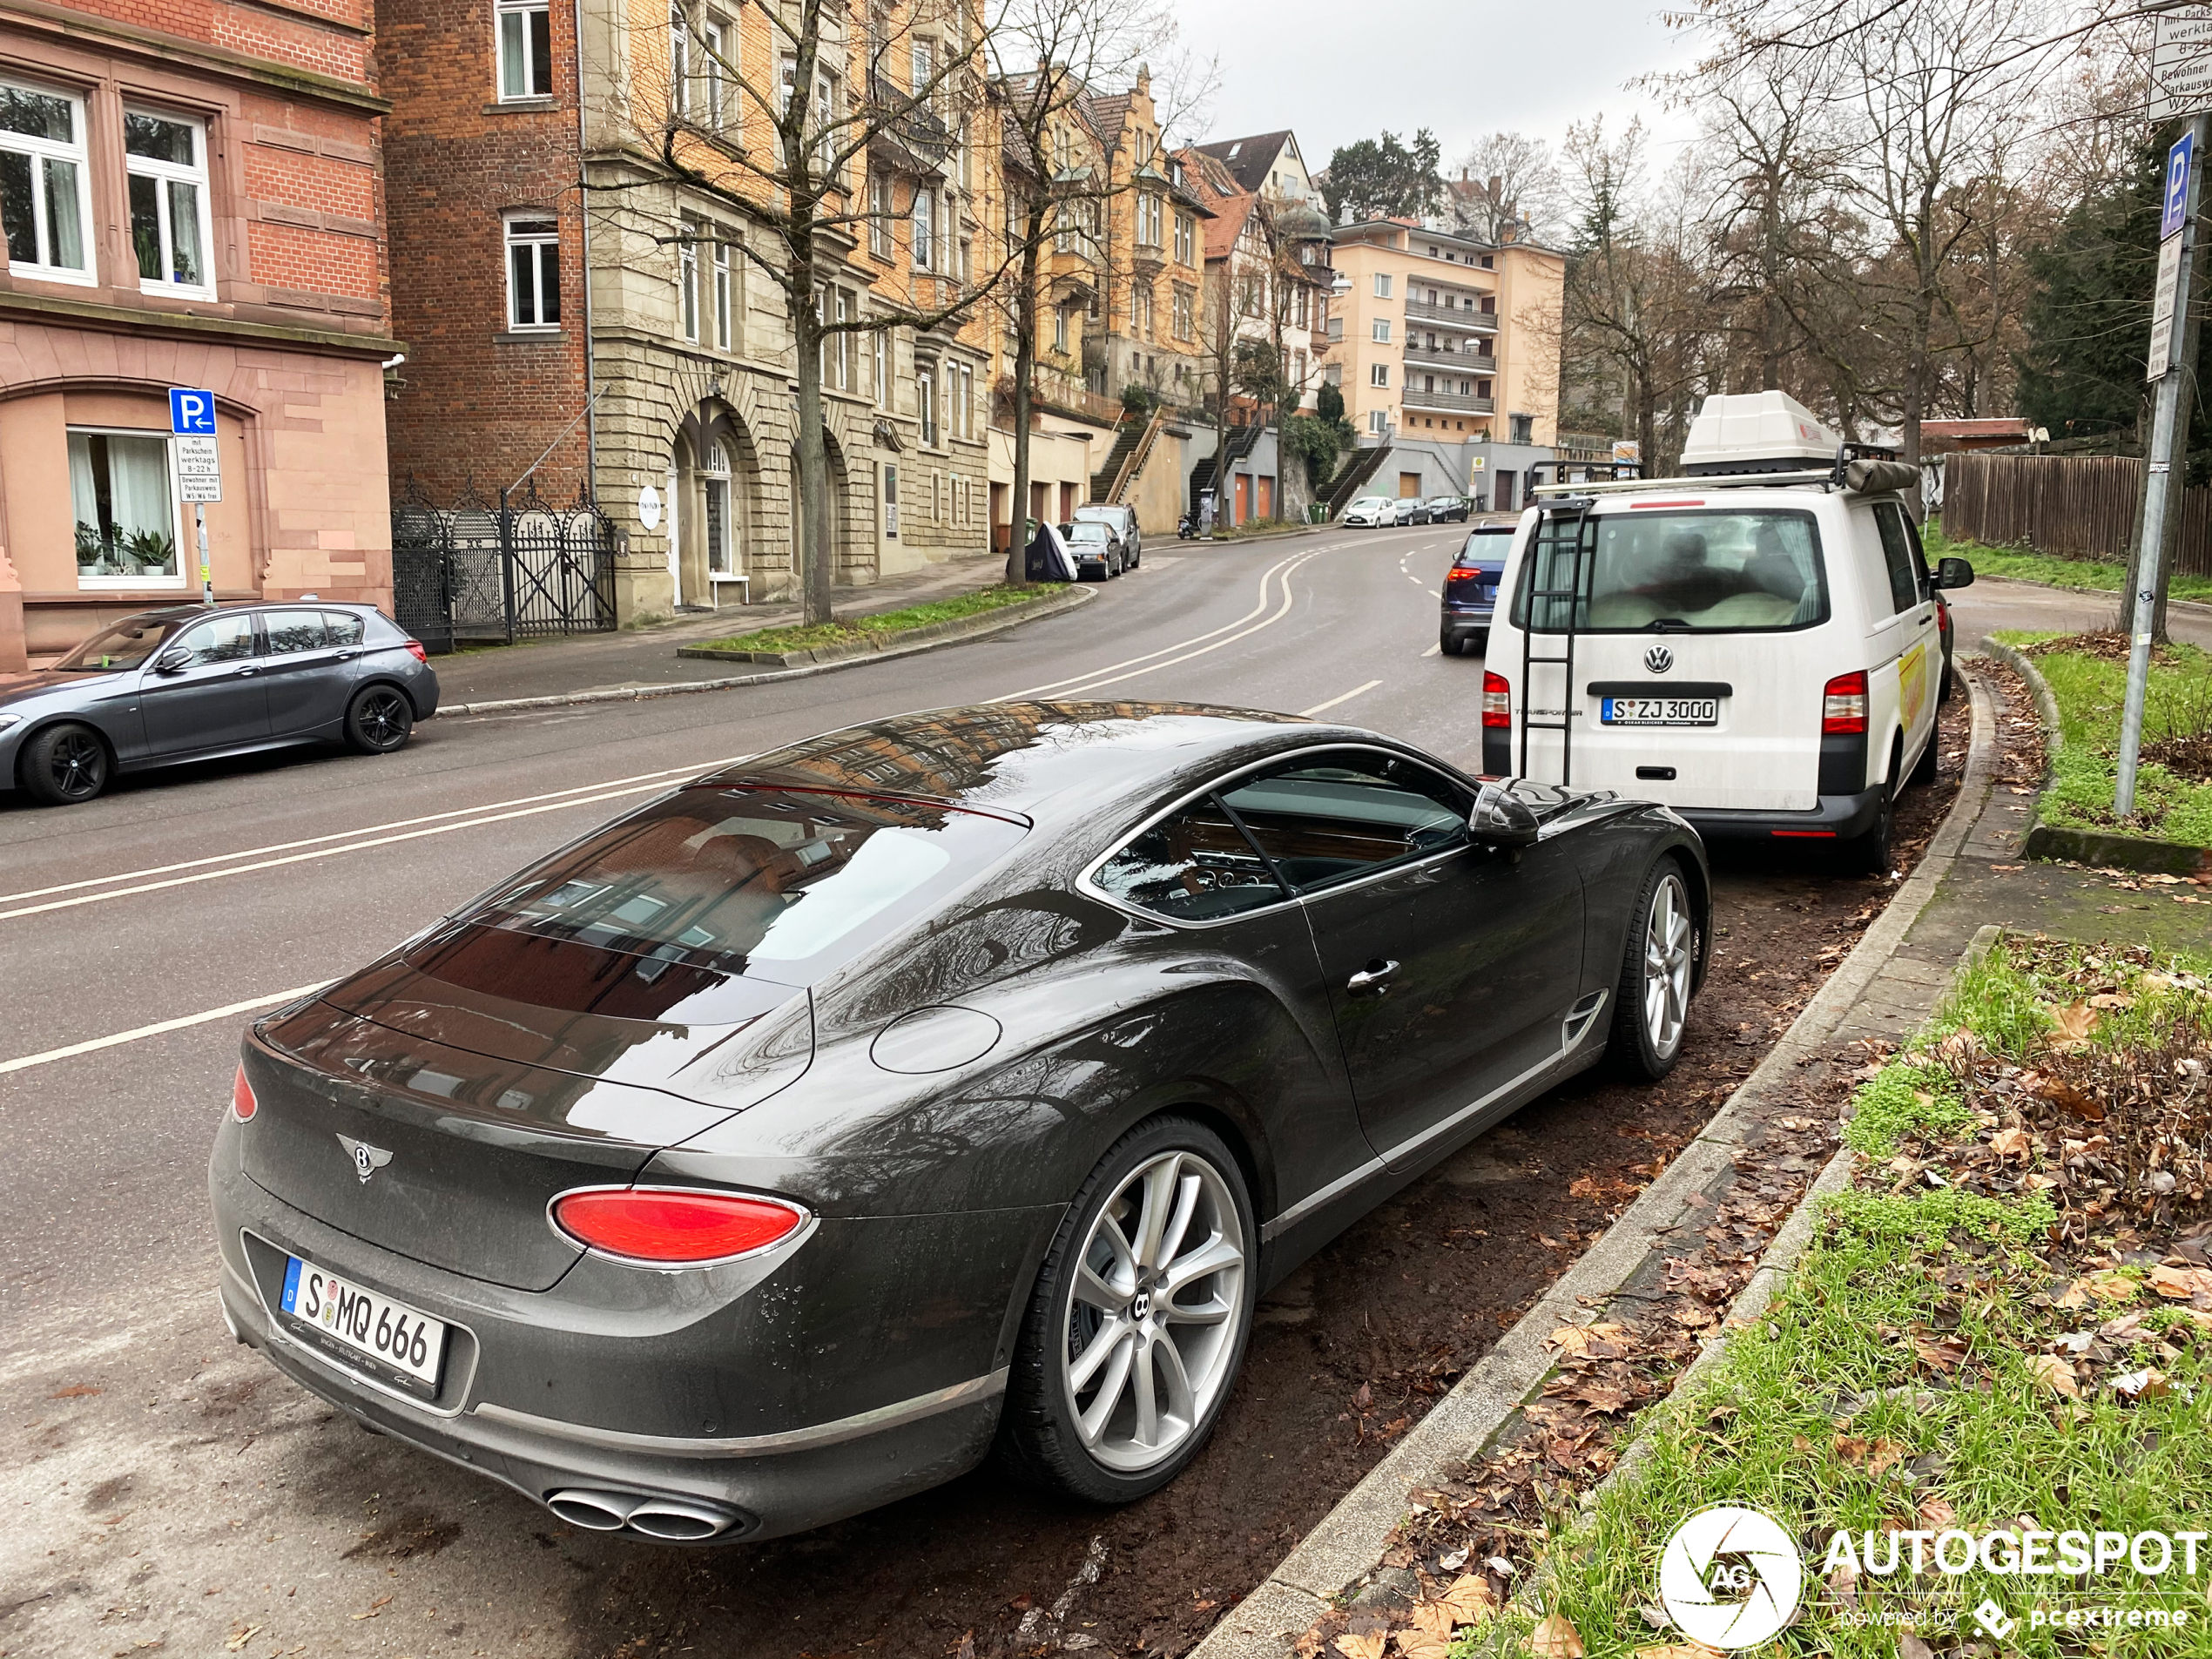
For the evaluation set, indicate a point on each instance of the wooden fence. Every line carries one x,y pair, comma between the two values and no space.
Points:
2071,507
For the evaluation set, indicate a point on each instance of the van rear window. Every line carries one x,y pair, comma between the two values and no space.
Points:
1688,572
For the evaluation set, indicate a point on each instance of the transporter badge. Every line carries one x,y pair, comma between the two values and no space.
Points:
1730,1577
367,1159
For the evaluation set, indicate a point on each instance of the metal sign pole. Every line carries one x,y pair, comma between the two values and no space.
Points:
206,570
2160,493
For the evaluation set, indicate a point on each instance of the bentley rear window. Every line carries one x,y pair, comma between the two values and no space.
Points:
1676,572
720,879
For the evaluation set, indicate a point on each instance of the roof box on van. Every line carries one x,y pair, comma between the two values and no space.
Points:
1755,432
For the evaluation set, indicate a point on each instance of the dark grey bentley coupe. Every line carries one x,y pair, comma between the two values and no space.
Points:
953,1082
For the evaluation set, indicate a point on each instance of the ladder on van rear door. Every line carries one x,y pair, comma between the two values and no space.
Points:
1564,542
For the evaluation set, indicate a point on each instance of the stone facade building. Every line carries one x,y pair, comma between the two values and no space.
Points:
190,197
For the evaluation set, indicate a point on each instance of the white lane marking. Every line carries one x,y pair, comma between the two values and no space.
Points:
1265,577
363,829
322,853
1436,649
1288,568
1318,707
223,1013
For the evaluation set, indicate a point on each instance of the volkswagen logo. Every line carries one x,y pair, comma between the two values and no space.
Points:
1659,659
367,1159
1730,1577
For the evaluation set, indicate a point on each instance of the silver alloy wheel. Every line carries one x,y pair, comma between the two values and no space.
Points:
1667,939
1153,1317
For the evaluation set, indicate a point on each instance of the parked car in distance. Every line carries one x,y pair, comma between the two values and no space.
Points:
1372,512
1123,521
1412,509
1096,550
1756,642
195,683
1449,509
957,1081
1471,589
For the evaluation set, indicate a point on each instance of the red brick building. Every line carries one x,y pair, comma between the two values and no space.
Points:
191,196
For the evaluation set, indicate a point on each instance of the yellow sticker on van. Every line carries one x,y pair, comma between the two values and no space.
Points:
1913,684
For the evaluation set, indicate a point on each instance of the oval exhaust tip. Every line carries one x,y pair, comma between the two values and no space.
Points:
595,1511
675,1521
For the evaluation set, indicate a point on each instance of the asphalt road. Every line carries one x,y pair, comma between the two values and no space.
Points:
167,1487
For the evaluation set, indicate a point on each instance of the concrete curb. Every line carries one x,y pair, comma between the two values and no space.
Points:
1349,1542
1264,535
2096,847
867,648
639,693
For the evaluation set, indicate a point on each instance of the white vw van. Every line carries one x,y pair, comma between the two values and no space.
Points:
1753,644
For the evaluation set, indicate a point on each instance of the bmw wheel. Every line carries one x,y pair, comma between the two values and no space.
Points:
1137,1324
64,764
1658,968
380,720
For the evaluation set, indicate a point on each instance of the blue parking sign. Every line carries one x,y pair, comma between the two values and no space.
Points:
191,412
2177,185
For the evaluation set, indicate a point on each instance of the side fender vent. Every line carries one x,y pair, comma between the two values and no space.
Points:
1581,1017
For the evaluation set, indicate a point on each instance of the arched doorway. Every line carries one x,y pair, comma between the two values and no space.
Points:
713,498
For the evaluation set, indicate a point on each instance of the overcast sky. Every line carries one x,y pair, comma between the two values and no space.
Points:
1335,73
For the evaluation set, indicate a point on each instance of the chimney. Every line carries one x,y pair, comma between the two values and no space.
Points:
1496,185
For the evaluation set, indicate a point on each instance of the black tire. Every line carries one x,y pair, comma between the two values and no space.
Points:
1869,853
64,765
1479,639
1943,688
1447,642
1646,1039
1924,769
1038,1440
379,720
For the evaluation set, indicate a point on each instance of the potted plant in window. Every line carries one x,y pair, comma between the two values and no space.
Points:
150,552
95,553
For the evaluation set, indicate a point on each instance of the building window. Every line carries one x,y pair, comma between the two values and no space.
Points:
926,402
879,215
721,527
723,294
533,273
1379,374
1182,313
1523,428
1382,285
882,369
687,281
525,48
1301,308
1378,421
1186,240
166,160
1332,374
967,400
1382,331
925,230
843,356
1060,329
1482,388
45,199
966,270
125,508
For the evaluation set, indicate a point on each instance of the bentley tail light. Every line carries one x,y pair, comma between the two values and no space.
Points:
677,1227
242,1102
1843,704
1497,700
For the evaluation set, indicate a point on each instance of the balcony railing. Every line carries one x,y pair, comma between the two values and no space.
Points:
1417,398
1482,322
1460,362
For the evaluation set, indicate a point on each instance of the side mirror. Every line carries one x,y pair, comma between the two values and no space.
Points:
1502,819
1954,573
175,660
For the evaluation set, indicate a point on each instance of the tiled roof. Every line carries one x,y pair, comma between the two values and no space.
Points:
1252,156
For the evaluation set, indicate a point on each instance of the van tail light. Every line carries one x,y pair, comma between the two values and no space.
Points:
1497,701
415,650
243,1104
673,1226
1843,704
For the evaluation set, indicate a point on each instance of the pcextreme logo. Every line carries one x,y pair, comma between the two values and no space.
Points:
1730,1577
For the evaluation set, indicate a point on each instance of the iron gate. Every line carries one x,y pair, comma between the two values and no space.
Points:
517,569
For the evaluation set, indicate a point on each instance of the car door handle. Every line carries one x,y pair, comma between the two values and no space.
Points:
1371,980
248,669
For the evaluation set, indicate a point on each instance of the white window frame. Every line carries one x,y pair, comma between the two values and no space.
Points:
1378,421
687,284
77,153
925,404
879,243
501,11
510,240
921,240
724,295
1379,374
184,576
1379,331
1185,238
843,357
679,60
967,407
713,38
1382,285
165,173
882,387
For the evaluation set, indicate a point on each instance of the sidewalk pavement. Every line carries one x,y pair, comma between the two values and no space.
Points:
1971,877
647,656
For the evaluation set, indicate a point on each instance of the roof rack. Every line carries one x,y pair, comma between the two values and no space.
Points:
1858,467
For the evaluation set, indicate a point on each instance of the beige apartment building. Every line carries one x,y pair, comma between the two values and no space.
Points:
1446,338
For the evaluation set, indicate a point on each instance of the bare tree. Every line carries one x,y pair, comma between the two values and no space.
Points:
1511,189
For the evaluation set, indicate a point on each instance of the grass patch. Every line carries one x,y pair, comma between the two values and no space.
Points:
1952,1357
2091,576
2091,690
1905,1099
886,622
